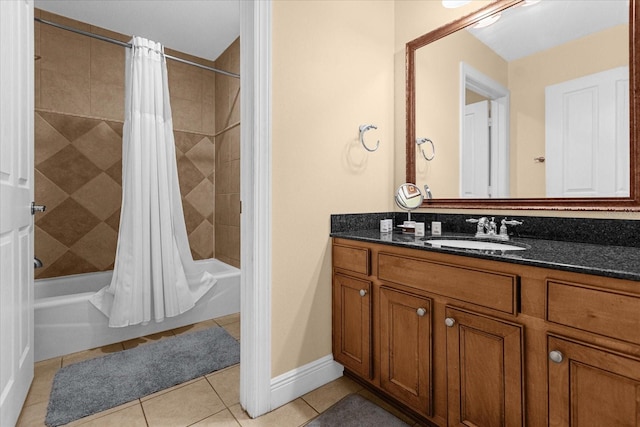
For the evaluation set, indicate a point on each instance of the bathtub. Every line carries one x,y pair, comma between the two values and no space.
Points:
65,321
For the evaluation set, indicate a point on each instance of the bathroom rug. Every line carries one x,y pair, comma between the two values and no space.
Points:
356,411
85,388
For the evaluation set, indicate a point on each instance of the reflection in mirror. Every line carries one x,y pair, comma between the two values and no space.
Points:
549,80
408,197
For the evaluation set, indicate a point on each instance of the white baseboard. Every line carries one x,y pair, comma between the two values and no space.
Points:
297,382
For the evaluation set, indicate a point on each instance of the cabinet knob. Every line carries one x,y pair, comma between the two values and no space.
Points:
556,356
362,292
449,321
421,311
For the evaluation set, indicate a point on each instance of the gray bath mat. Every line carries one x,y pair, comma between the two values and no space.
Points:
356,411
88,387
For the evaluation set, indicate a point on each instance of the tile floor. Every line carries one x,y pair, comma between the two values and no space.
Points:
211,400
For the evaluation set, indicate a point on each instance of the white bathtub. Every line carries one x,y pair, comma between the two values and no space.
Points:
66,322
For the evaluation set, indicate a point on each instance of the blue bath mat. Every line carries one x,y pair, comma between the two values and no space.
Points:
92,386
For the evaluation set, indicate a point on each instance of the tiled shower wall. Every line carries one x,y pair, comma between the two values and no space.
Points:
78,131
227,171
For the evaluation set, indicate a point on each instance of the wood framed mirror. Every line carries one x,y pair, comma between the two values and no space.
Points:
626,200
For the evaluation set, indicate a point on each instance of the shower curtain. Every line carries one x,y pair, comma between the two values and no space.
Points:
154,274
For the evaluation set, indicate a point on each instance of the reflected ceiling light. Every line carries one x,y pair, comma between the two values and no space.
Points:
452,4
488,21
530,2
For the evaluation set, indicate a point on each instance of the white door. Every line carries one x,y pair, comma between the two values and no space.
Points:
474,155
499,148
587,137
16,194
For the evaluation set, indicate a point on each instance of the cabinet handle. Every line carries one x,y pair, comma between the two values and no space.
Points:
556,356
421,311
449,321
362,292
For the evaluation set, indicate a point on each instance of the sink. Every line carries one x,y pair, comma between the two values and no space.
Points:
473,244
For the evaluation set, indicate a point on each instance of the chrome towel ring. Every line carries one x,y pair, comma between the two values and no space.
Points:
363,129
420,141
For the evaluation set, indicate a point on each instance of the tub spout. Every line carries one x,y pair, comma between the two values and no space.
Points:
37,263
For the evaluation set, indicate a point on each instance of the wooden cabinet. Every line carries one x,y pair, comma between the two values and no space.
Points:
352,323
405,348
484,370
592,386
464,341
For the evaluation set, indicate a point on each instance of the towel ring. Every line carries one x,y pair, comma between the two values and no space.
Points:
363,129
420,141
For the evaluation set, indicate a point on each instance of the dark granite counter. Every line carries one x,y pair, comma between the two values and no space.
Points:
622,262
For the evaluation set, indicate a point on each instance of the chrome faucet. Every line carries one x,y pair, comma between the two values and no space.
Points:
482,227
488,228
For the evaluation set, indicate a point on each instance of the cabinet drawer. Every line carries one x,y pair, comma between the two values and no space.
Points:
489,289
604,312
351,258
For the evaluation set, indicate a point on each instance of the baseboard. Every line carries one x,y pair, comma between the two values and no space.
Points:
297,382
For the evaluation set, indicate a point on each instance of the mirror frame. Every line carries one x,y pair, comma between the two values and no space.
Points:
631,203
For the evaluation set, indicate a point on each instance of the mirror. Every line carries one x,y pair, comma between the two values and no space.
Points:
408,197
522,81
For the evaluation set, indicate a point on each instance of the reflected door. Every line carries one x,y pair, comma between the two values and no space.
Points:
587,136
475,157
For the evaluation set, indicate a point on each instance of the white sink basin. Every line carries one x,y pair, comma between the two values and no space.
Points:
473,244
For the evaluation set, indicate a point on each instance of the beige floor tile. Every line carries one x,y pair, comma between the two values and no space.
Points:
324,397
167,390
292,414
131,416
184,406
105,416
42,380
91,354
33,415
195,327
387,407
221,419
227,384
147,339
233,329
225,320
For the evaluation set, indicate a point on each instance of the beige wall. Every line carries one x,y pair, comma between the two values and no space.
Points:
332,72
79,102
412,19
227,143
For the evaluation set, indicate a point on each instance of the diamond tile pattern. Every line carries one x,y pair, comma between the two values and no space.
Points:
79,177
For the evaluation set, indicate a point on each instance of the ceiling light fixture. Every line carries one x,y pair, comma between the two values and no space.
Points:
452,4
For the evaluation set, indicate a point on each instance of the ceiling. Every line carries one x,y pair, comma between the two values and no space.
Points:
524,30
204,28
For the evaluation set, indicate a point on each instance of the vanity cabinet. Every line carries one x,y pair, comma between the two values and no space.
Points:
592,386
405,347
352,323
484,370
464,341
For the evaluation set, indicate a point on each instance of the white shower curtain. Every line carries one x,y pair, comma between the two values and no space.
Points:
154,275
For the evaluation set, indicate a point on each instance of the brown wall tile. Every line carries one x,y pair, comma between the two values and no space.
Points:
227,152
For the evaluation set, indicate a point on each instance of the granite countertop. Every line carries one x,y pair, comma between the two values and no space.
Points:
621,262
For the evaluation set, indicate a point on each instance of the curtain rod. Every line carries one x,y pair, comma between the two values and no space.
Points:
124,44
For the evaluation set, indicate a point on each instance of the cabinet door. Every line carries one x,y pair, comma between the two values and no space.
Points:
352,323
405,348
590,386
484,370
